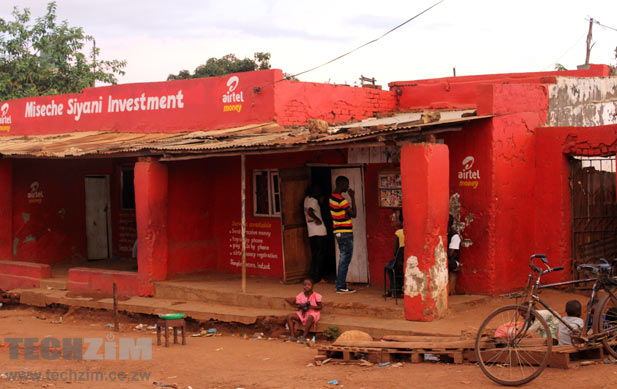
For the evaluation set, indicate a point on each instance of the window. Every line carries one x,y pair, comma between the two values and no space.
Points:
128,188
266,193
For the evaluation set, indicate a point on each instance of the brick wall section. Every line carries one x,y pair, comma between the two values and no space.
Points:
296,102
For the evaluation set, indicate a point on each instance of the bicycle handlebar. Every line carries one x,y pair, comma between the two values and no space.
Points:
536,269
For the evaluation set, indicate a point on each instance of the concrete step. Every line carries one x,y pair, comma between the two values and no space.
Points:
149,306
53,283
356,307
208,311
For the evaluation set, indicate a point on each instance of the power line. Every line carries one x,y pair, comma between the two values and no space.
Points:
602,25
368,43
567,51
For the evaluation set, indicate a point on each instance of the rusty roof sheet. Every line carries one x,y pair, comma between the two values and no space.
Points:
265,136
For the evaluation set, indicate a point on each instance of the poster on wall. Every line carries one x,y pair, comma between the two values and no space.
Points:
390,191
260,253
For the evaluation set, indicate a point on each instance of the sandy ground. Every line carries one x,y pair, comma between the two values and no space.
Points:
231,361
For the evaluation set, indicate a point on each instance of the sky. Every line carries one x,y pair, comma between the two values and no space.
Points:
159,37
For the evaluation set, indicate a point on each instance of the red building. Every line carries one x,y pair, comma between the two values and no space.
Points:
531,156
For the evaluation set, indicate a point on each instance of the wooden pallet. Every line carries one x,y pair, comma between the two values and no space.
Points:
412,349
460,350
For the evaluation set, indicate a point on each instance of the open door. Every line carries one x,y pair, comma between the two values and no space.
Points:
358,268
296,247
97,217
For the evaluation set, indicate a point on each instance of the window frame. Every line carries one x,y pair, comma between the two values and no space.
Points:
123,169
274,191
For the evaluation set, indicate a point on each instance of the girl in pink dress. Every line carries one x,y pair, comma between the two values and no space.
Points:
309,307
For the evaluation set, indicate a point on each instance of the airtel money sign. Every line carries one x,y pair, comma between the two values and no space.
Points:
468,176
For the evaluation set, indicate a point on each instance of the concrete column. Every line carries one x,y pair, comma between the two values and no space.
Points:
151,212
6,210
425,171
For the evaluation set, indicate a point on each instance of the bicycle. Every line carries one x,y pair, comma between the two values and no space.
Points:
509,354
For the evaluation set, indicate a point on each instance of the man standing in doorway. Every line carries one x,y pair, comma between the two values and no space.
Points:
342,212
318,235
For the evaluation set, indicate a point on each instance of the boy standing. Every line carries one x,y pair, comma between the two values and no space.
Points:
342,213
573,310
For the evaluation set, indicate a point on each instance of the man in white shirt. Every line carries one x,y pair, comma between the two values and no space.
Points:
317,233
454,246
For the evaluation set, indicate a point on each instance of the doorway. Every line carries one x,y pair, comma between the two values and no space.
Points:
358,268
594,210
98,223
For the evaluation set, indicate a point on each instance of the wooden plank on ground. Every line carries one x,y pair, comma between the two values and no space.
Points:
457,344
405,338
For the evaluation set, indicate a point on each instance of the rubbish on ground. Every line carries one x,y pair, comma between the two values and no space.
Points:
310,365
266,359
109,325
218,349
152,327
398,364
140,327
333,382
587,363
1,305
326,361
212,330
59,321
431,357
384,364
172,316
172,377
164,385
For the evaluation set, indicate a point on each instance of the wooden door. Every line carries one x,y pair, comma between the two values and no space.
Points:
358,268
97,217
296,247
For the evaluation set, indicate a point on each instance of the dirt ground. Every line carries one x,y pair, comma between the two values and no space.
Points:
235,361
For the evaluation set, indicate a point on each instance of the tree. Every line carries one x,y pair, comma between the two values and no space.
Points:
226,64
47,57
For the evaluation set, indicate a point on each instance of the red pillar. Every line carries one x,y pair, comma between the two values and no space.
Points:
151,213
6,209
424,173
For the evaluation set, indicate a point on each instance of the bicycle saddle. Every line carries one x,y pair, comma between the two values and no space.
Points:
595,268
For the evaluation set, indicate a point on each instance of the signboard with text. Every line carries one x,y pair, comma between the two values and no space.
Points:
175,106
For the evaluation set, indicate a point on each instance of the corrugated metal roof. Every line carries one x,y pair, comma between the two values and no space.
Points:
265,136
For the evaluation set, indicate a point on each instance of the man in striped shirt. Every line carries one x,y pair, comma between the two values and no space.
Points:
342,212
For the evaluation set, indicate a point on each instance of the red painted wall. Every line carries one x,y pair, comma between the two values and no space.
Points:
49,222
204,212
478,272
381,223
151,200
296,102
553,200
424,173
462,92
6,211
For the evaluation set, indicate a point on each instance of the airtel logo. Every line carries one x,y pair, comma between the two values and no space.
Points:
232,83
231,96
467,173
468,162
4,110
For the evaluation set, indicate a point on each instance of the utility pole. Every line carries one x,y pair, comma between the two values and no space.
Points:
589,45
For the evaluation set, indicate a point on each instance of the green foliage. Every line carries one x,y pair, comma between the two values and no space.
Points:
47,57
331,332
560,67
225,65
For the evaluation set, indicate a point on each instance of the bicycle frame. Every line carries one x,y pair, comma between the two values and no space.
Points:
599,284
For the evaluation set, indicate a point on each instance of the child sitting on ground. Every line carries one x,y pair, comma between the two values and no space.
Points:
573,318
309,304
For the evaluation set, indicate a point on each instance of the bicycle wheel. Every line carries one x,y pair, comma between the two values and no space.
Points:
605,319
506,351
